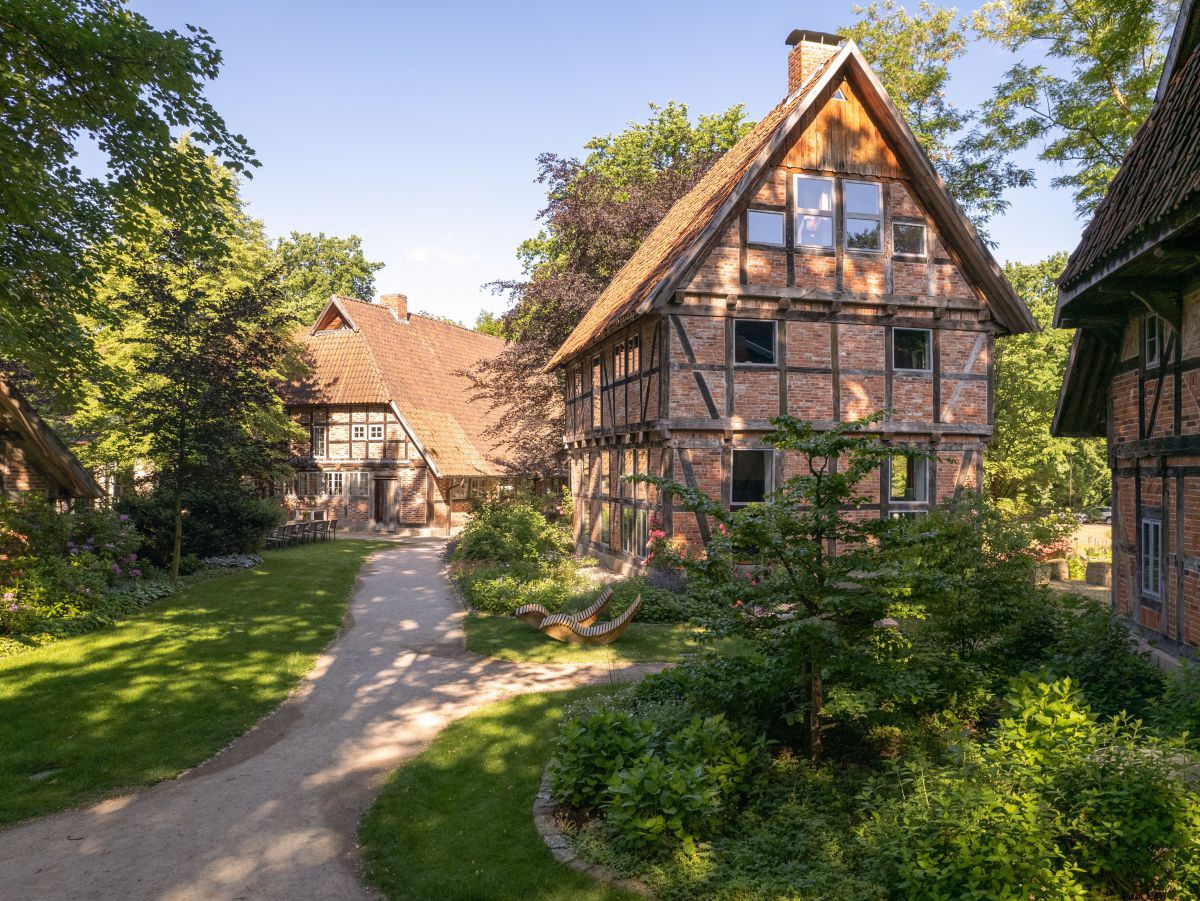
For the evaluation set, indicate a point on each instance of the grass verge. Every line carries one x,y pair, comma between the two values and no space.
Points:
456,822
162,691
510,639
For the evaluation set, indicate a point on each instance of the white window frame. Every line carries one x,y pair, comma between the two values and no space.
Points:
873,217
376,431
928,350
768,481
358,432
319,448
774,341
903,223
799,211
780,215
1151,556
362,479
1154,335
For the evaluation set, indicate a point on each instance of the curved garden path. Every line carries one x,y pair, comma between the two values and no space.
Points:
274,815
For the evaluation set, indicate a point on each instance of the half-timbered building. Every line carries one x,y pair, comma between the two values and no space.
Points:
394,439
33,459
1132,289
819,269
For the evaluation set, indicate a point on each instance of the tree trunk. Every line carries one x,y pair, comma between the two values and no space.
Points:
177,550
816,699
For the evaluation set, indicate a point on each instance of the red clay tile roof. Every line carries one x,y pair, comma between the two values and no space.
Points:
1159,176
45,448
655,261
412,362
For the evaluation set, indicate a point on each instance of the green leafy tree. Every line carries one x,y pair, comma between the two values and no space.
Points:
197,343
598,211
797,561
318,266
1084,81
1026,465
912,54
488,323
94,73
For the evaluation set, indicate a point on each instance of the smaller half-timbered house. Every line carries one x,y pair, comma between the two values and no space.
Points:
819,269
1132,289
33,460
394,440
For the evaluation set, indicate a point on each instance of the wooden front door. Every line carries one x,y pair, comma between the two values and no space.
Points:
387,504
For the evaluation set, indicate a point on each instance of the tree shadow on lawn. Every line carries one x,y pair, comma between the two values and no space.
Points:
456,822
160,691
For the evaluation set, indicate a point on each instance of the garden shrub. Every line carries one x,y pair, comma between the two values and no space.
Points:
589,749
501,588
220,519
659,605
512,530
682,792
1176,712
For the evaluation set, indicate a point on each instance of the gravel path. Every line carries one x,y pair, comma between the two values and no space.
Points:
274,815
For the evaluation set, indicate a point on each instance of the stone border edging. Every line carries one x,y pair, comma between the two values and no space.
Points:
547,826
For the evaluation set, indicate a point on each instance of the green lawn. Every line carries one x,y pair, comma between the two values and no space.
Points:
456,822
159,692
508,638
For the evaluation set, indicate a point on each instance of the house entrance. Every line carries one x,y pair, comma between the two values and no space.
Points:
387,504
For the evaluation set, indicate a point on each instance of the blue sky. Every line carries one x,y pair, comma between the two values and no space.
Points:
416,125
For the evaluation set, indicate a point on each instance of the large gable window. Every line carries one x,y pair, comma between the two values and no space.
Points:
754,341
814,211
764,227
752,475
320,441
864,215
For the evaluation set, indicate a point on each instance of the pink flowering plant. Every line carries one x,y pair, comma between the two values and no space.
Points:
55,563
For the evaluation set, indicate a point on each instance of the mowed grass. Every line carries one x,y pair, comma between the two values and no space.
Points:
155,694
456,822
508,638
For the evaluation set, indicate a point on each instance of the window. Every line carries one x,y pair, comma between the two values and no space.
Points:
911,348
635,355
356,483
838,95
320,441
605,471
814,211
358,432
628,519
596,393
605,524
1152,339
318,484
754,341
1150,571
751,477
864,215
908,238
909,478
764,227
375,431
641,535
618,371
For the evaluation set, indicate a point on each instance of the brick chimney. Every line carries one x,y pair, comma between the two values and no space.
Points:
397,303
810,50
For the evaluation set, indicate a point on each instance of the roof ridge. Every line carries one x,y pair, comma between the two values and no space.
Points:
466,328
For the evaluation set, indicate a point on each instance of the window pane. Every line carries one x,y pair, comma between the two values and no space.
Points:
814,193
861,197
910,348
605,525
813,230
909,479
753,341
908,237
763,227
749,476
862,234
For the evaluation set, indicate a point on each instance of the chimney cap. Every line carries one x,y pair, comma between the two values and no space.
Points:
812,37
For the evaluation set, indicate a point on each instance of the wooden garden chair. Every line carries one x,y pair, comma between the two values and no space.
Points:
534,614
561,627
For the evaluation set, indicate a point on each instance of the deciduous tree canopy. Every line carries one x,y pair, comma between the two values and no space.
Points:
93,101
